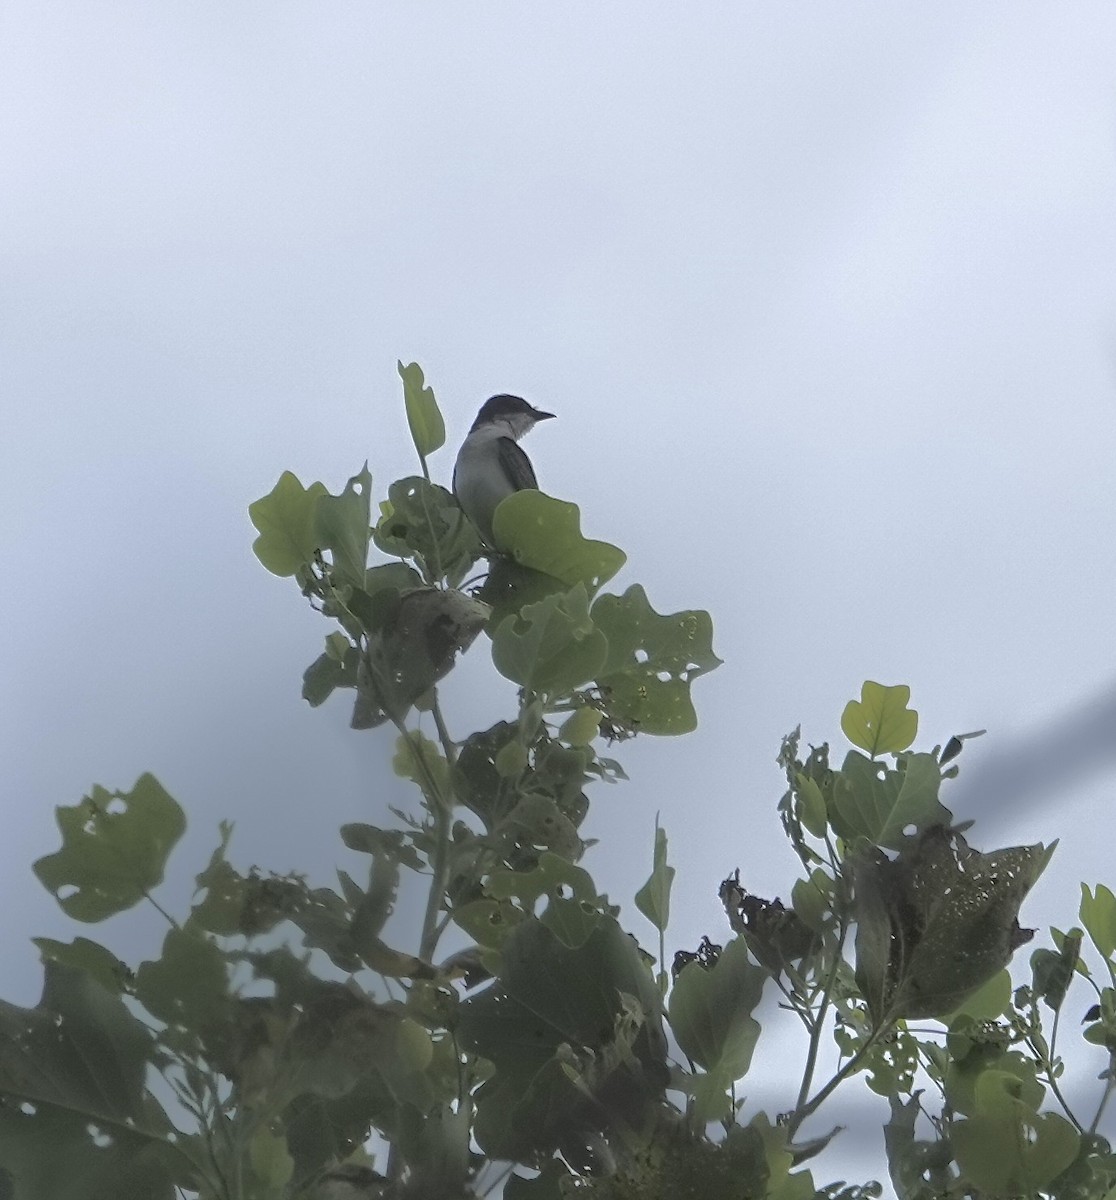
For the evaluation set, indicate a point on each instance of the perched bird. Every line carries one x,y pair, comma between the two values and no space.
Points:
490,466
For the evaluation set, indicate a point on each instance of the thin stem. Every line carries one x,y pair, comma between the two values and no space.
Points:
805,1110
448,746
1047,1061
818,1028
1109,1087
161,910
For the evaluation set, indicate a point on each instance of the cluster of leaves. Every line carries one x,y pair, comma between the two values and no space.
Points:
539,1050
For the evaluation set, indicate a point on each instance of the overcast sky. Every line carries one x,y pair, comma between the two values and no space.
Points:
823,296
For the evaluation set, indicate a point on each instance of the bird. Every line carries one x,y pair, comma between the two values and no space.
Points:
490,466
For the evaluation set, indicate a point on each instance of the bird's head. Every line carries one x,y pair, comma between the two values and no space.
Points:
510,414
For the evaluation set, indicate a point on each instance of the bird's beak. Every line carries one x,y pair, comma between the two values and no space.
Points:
541,416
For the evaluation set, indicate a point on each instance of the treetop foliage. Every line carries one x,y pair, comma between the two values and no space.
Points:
296,1040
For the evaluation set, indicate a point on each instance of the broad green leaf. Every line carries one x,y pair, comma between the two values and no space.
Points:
553,876
711,1011
880,721
488,922
989,1001
653,899
270,1160
574,1034
85,955
888,805
543,533
396,576
712,1100
420,760
538,821
115,847
512,760
78,1122
422,521
552,647
812,900
428,430
285,518
989,1081
652,661
370,839
188,985
1052,973
581,727
327,673
342,525
510,587
1013,1156
811,805
571,921
938,921
1098,915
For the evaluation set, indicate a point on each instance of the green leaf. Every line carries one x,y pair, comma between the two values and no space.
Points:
1098,915
553,876
811,804
652,661
342,525
285,518
270,1160
1052,973
1013,1156
422,521
327,673
188,985
544,534
539,822
428,430
938,921
581,727
880,721
78,1122
575,1037
419,759
552,647
711,1011
84,955
888,806
115,847
370,839
222,908
988,1002
653,899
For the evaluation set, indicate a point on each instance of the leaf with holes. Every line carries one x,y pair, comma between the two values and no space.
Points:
652,661
342,525
115,847
551,647
937,921
77,1122
886,805
188,985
